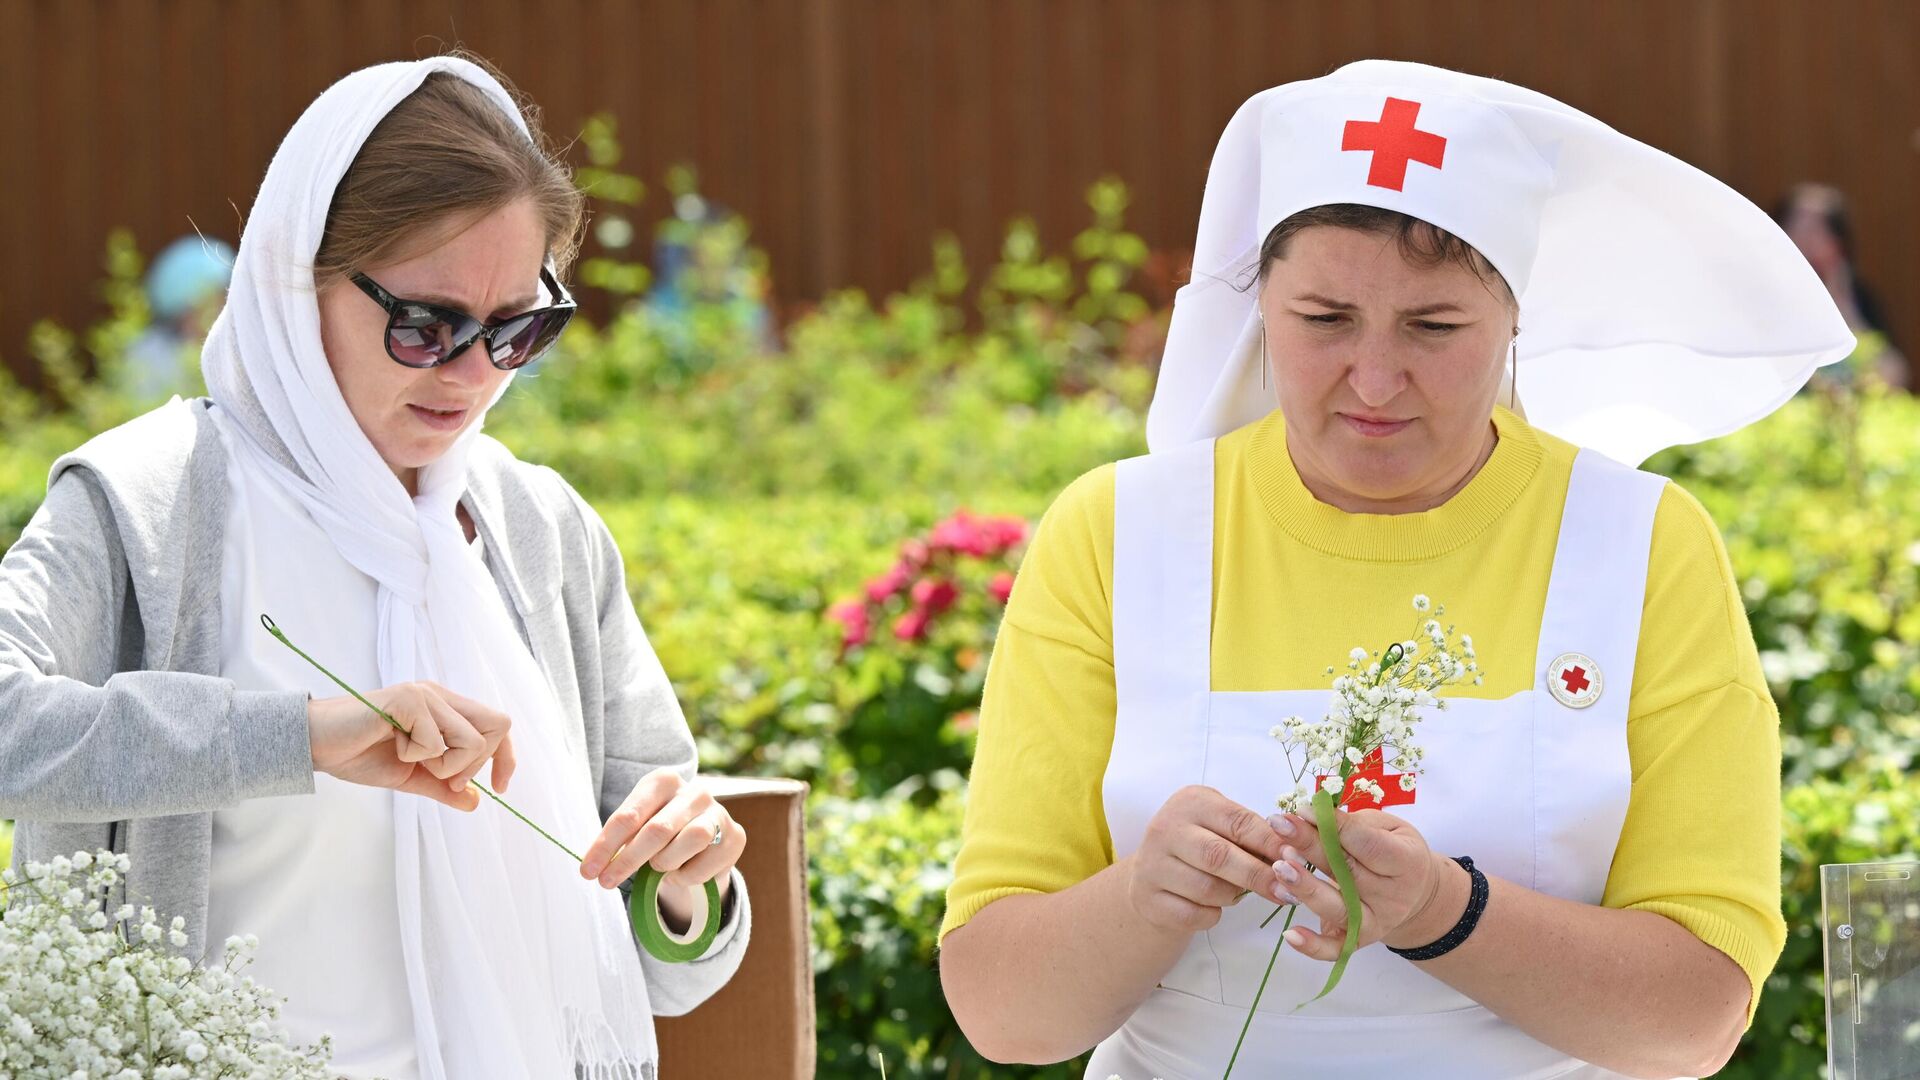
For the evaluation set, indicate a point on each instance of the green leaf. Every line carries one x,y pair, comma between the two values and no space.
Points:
1327,818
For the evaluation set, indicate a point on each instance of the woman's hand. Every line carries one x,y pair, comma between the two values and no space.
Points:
449,739
670,823
1409,896
1201,852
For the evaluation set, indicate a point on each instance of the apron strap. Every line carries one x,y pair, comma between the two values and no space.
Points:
1594,601
1162,632
1163,572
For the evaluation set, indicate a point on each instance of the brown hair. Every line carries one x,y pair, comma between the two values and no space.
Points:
445,156
1422,243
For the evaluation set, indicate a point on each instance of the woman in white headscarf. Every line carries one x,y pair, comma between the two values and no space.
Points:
1585,881
402,260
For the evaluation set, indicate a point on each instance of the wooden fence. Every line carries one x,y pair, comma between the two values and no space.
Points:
851,131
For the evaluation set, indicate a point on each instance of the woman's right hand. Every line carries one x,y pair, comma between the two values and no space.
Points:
449,739
1201,852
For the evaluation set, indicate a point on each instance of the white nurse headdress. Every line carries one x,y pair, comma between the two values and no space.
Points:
1660,306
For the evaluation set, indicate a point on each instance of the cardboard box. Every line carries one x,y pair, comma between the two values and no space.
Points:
760,1025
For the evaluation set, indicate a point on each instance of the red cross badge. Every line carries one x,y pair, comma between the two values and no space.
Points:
1574,680
1394,141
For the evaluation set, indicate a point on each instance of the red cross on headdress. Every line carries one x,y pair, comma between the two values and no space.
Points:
1394,142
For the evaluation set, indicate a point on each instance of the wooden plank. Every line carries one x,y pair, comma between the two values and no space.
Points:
849,131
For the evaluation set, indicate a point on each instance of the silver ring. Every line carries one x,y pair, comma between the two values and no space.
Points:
718,831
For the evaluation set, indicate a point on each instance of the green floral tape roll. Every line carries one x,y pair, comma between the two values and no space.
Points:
643,910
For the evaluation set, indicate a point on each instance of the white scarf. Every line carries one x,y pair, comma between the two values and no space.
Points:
516,967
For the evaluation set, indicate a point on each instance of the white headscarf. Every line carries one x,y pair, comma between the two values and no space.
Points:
516,966
1659,307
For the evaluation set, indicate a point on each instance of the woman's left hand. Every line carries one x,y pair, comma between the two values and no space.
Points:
1408,894
670,823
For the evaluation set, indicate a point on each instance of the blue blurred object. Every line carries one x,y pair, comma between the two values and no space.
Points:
187,274
185,285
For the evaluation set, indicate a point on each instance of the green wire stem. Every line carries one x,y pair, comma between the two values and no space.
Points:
1292,909
382,713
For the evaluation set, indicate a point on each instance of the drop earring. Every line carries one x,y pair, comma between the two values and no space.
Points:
1513,372
1263,352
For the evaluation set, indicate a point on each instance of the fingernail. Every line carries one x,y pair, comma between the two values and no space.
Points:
1286,870
1282,824
1294,937
590,869
1283,897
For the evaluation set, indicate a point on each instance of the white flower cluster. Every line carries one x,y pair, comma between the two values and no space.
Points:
1376,705
88,994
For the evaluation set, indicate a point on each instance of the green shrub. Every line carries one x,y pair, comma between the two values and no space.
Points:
1820,507
1863,818
880,870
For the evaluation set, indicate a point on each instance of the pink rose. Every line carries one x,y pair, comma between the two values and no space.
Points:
1001,586
889,585
934,596
914,554
855,622
912,626
1008,532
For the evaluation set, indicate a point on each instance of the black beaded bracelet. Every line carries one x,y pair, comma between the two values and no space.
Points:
1476,904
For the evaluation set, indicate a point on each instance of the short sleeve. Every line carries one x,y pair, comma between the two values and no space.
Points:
1035,821
1701,841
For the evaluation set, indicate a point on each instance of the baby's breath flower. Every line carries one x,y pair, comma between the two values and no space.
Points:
76,1000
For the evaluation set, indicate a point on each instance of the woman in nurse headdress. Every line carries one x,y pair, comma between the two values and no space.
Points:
1584,881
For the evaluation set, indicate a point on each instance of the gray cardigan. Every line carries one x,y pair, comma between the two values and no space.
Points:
117,732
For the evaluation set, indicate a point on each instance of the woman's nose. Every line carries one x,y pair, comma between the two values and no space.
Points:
1377,377
471,367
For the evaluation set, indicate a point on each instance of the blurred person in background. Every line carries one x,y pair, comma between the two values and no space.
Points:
710,282
185,287
1815,216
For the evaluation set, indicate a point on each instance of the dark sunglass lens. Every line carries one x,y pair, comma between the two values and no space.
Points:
420,336
525,340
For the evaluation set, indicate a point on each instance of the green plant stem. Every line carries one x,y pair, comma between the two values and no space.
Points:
1327,817
382,713
1292,909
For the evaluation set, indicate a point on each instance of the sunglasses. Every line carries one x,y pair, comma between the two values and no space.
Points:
424,335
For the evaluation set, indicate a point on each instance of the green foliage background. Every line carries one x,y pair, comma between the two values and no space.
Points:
752,482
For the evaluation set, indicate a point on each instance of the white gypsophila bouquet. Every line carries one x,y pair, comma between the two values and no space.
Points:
85,994
1376,706
1340,761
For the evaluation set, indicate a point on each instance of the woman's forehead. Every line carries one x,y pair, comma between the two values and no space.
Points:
495,258
1362,264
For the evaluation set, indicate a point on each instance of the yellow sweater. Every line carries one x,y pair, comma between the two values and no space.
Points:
1304,583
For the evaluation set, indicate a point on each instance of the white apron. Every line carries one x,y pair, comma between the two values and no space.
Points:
1533,790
